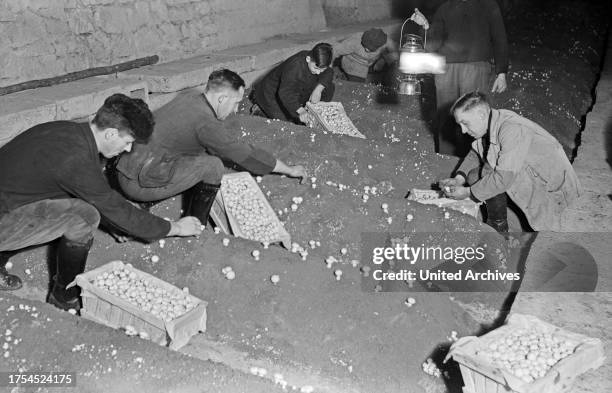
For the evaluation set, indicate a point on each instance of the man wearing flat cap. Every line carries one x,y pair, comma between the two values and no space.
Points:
372,50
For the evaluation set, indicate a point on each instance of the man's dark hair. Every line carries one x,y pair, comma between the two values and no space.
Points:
224,78
129,115
322,55
373,39
469,101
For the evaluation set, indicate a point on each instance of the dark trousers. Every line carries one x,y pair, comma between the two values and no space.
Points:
497,206
188,171
459,79
46,220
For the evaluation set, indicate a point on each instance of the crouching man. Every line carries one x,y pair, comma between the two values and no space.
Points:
185,154
52,186
511,157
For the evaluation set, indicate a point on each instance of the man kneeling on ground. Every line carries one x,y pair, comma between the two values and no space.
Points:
511,157
190,140
52,186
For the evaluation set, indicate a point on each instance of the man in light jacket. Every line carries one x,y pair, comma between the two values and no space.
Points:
515,157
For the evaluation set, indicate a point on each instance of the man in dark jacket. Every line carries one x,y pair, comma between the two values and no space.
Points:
191,138
52,186
469,34
305,76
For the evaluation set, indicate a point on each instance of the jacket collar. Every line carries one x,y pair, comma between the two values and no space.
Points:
207,105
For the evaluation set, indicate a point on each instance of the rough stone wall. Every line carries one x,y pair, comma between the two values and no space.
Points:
342,12
46,38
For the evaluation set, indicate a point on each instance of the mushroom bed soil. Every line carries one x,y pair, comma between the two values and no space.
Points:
316,330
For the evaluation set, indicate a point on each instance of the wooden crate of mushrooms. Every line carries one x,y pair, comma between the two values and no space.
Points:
332,117
248,212
120,296
527,355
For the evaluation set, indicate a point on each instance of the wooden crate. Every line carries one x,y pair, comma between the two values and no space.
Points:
481,375
315,110
110,310
219,215
222,216
433,197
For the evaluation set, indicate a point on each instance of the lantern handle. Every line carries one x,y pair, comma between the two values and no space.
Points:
402,35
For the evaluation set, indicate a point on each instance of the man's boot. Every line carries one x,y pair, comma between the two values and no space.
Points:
497,212
8,282
199,200
71,259
500,225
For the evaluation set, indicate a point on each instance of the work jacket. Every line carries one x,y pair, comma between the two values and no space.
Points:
188,126
61,160
529,165
356,61
289,85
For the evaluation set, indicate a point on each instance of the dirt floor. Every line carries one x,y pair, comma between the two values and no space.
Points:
335,335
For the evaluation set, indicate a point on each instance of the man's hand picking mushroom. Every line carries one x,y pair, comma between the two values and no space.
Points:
448,186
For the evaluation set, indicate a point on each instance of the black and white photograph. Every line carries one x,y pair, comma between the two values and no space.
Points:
310,196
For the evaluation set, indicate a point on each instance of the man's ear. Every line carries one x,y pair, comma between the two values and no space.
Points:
110,132
308,59
483,113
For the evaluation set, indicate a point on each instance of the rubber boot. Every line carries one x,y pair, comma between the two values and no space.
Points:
71,259
497,212
8,282
500,225
200,199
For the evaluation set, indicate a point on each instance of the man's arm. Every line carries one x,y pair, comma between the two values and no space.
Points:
471,161
435,33
498,38
85,180
222,139
326,78
514,143
315,96
290,85
455,187
349,45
